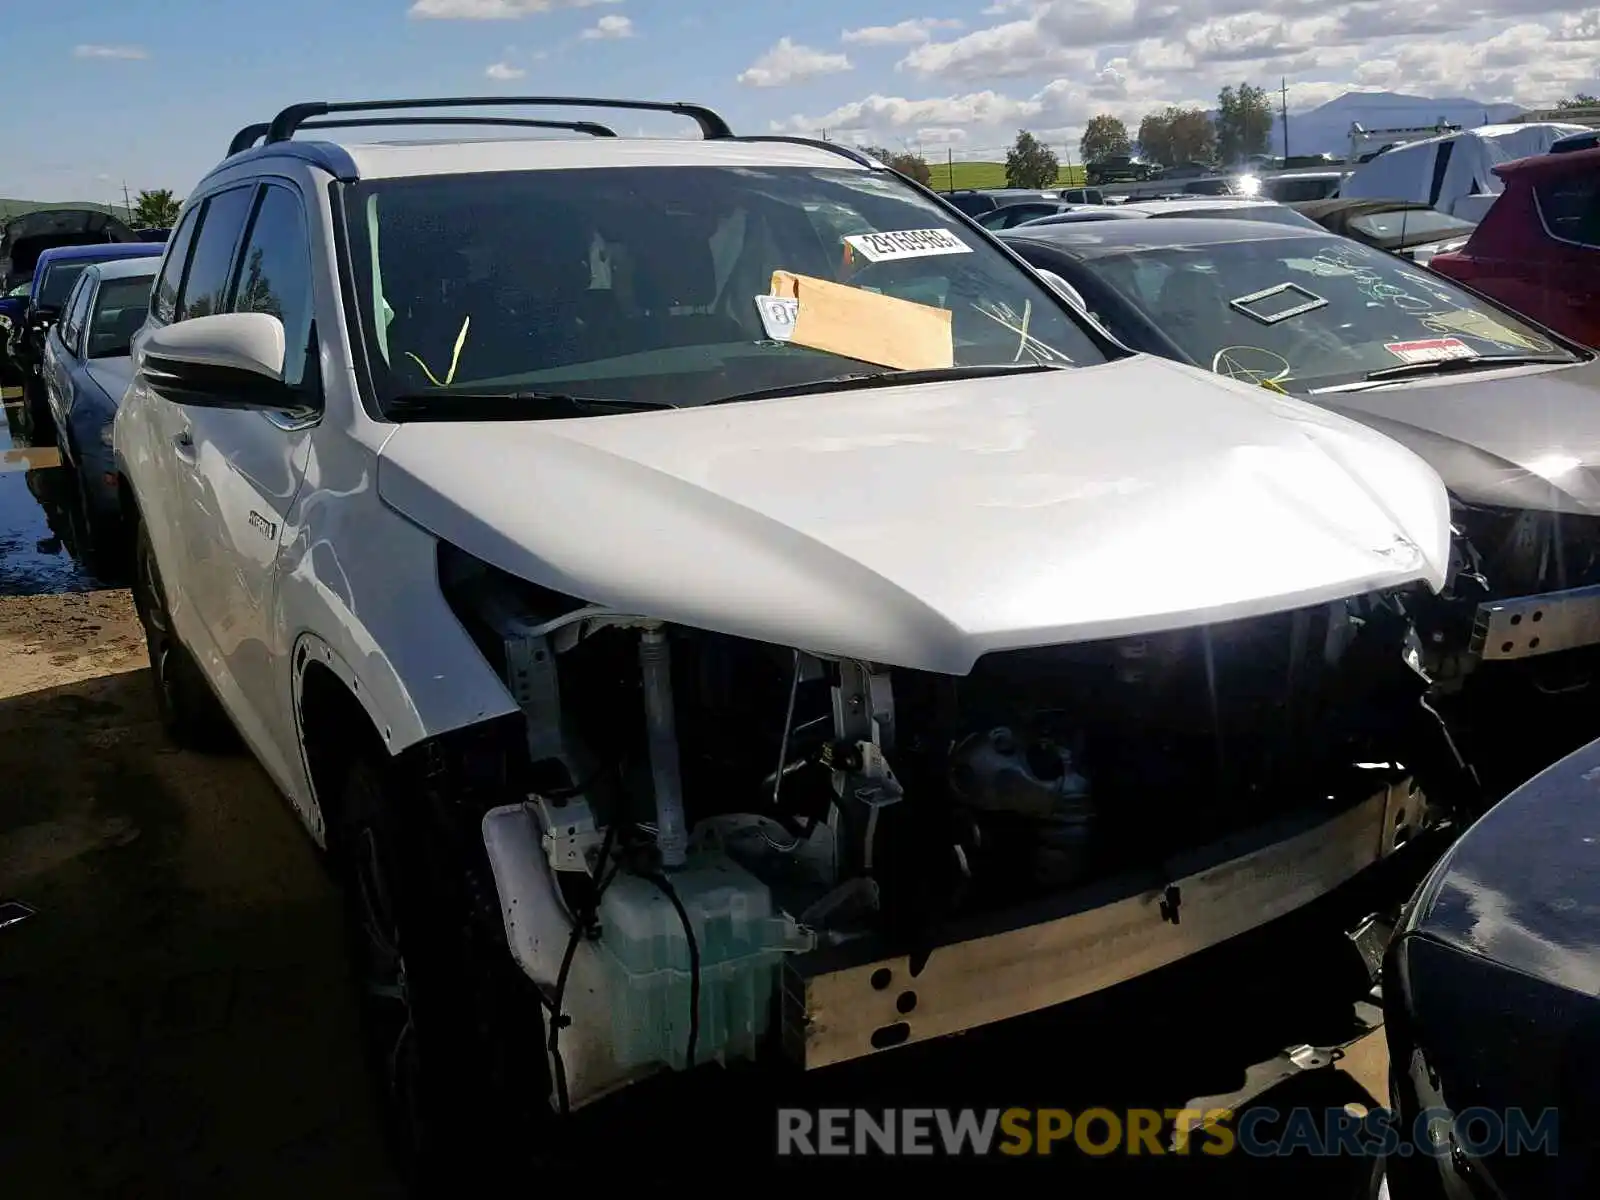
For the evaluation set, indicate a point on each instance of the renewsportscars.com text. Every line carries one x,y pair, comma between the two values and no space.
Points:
1098,1132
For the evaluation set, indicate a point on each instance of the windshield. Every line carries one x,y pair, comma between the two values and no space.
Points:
1311,311
680,286
57,283
119,313
1410,227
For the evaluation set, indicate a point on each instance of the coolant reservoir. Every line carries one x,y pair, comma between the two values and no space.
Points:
646,957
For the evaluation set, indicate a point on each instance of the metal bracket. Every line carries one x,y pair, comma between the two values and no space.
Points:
1371,940
531,676
1527,626
1262,1077
571,838
863,705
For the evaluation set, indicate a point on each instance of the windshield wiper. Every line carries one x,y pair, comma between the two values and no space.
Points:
1445,366
507,406
870,379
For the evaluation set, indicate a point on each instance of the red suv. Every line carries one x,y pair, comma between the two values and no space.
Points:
1537,250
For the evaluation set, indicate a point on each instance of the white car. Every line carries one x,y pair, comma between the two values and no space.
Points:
662,605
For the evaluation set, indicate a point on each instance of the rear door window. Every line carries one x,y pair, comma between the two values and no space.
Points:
1571,209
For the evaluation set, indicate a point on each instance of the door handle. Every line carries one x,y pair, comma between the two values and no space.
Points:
184,444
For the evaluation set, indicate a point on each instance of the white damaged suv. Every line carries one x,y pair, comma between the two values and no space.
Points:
703,593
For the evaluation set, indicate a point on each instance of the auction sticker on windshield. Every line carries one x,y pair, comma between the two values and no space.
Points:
1430,350
778,316
906,243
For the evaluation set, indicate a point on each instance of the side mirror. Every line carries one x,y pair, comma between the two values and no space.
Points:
232,360
1065,288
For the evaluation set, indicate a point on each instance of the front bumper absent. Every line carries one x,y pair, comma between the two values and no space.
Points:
838,1011
1528,626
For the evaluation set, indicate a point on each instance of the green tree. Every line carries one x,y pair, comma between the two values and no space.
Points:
156,209
1103,137
1030,163
1244,123
255,289
904,161
1177,135
1581,100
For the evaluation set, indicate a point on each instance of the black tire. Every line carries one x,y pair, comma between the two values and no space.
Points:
451,1028
190,712
38,424
102,543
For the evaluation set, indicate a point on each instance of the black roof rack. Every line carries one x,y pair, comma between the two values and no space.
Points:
283,126
251,134
856,156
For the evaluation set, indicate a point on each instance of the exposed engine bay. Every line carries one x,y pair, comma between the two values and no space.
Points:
879,803
1524,585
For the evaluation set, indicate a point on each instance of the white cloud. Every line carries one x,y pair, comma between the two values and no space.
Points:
788,62
609,27
905,33
492,10
1017,48
1052,64
94,51
502,71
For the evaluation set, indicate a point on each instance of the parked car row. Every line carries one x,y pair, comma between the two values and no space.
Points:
55,275
726,604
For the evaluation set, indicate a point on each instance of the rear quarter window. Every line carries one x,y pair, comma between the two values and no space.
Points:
1570,209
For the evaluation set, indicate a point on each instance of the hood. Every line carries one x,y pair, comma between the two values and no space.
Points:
1526,438
924,526
25,237
111,375
1521,887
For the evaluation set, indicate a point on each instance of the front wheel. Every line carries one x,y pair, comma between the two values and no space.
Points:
190,712
451,1029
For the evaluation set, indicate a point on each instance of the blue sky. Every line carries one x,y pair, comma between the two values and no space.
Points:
149,93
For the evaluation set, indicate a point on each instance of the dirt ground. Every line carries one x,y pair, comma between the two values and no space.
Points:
176,1014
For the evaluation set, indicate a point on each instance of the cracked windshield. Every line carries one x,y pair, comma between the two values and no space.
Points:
680,285
1312,312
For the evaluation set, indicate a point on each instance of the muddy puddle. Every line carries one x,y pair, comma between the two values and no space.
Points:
39,518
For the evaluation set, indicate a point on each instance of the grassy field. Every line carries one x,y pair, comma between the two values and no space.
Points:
986,175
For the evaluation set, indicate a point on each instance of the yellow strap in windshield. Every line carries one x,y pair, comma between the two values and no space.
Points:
455,358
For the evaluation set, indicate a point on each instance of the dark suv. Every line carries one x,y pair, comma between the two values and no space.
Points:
1119,168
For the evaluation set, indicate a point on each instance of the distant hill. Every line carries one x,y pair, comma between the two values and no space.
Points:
15,208
1326,129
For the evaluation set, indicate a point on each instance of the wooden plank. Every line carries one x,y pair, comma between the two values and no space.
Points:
29,458
865,325
1023,970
